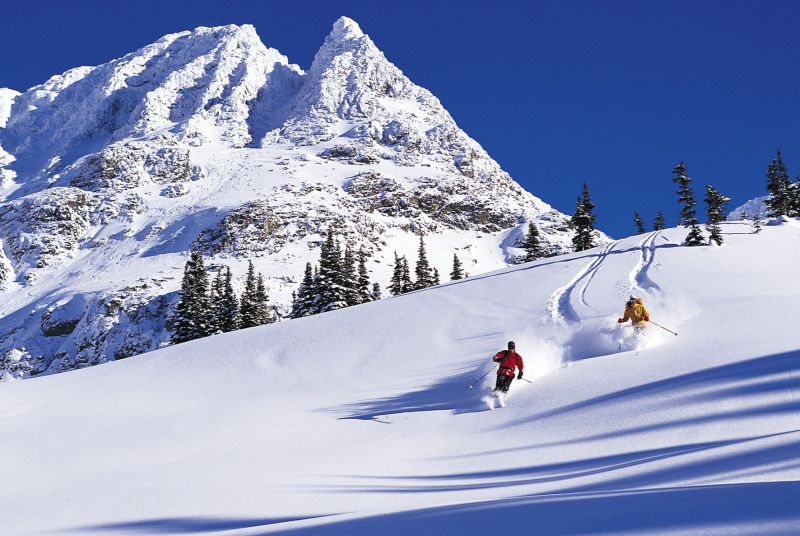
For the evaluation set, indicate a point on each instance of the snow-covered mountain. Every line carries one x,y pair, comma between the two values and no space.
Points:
209,139
361,421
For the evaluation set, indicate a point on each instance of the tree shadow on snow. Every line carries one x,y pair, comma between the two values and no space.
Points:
449,394
188,525
761,507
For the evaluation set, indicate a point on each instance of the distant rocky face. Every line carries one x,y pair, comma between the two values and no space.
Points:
207,139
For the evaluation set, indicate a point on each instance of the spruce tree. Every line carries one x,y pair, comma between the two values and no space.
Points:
581,222
688,213
660,222
794,199
423,271
457,272
229,309
637,220
262,302
435,280
193,315
396,282
375,295
779,186
532,244
331,294
715,203
362,285
588,206
302,304
756,221
215,303
405,277
349,278
248,308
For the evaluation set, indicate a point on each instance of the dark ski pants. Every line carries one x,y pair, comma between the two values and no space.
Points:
503,383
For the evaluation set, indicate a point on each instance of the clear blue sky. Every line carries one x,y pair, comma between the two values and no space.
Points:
610,92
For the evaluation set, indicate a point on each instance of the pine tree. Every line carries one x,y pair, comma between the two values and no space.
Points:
779,186
588,206
794,199
435,280
637,220
193,315
688,213
349,278
457,272
756,223
405,277
229,310
582,225
715,203
331,294
362,284
248,308
215,303
423,271
262,302
396,282
532,244
375,295
302,304
660,222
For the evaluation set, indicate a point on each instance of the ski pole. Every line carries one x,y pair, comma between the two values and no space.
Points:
665,329
526,380
482,377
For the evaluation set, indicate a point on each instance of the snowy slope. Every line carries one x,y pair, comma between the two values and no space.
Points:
361,421
209,139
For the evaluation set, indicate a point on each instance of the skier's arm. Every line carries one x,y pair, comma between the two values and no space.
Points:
499,356
646,314
625,317
520,365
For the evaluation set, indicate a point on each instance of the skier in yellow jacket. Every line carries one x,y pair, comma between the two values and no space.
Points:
636,312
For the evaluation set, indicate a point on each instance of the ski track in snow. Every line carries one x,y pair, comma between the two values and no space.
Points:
559,306
639,276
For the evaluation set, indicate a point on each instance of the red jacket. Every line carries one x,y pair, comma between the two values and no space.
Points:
508,359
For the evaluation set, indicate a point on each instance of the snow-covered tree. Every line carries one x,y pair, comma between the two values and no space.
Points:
193,315
303,301
375,295
405,277
396,282
331,294
229,308
262,302
756,222
248,308
457,272
779,186
660,222
715,203
362,282
349,277
637,220
582,226
532,243
423,271
435,280
688,211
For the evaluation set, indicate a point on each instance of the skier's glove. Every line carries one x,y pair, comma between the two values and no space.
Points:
647,319
620,320
519,376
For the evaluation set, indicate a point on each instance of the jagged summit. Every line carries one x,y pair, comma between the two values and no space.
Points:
207,139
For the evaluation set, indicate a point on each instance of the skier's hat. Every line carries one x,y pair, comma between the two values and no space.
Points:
511,345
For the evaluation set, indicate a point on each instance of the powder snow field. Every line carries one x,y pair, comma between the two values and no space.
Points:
360,421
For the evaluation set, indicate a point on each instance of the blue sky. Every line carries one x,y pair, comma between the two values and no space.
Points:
559,92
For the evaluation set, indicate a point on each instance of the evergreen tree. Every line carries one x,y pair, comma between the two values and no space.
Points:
229,310
582,225
248,308
435,280
756,223
660,222
362,285
423,271
588,206
688,213
331,294
262,302
794,199
215,303
349,278
532,244
779,186
192,316
375,295
637,220
405,277
303,302
715,203
396,282
457,272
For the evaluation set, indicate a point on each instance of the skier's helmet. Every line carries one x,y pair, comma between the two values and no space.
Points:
511,345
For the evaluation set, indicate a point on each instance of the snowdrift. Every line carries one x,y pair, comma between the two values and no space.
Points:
361,420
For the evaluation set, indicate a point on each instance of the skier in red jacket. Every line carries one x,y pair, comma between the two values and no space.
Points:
509,360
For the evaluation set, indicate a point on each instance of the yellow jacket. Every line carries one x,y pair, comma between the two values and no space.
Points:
636,313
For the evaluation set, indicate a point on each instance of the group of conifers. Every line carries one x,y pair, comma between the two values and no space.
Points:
341,278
